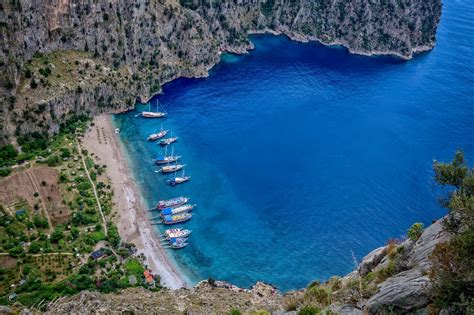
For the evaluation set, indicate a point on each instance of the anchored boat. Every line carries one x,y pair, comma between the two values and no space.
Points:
171,168
176,245
159,135
167,159
175,233
179,179
150,114
178,210
174,202
168,141
178,218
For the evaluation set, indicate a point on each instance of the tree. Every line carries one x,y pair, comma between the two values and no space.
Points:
452,270
57,234
453,173
35,248
414,232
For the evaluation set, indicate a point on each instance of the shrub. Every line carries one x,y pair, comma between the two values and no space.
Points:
8,153
57,234
309,310
415,231
33,83
5,171
452,261
319,294
53,161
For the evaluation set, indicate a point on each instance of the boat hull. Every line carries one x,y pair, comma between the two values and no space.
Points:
153,115
176,181
175,219
172,203
171,169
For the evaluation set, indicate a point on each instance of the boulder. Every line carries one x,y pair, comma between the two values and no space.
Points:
424,246
407,290
372,260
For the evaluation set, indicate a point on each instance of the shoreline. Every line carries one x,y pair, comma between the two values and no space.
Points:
129,207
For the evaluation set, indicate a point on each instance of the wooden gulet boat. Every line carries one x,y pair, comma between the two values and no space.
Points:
159,135
178,210
167,159
179,179
176,245
175,233
172,168
178,218
171,203
168,141
150,114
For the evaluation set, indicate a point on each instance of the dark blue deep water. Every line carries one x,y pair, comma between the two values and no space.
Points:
302,156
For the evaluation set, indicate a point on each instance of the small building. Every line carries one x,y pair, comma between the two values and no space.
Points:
149,278
98,254
20,212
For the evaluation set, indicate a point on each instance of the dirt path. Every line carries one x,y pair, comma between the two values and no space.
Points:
93,188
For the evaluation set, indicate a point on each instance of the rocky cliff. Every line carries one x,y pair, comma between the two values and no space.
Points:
60,57
390,280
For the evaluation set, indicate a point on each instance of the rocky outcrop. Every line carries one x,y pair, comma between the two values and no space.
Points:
151,42
409,289
403,292
219,298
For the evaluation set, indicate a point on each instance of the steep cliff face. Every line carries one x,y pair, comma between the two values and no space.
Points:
145,43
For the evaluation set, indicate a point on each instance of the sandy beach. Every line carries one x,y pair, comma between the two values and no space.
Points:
131,219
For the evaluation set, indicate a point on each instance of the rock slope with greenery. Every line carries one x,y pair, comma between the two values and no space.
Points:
64,57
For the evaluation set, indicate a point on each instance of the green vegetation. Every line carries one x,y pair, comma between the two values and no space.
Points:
44,259
452,271
134,267
267,7
415,231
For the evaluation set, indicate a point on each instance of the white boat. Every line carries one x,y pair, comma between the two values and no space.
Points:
150,114
172,168
153,114
178,210
157,135
168,141
167,159
174,202
179,179
174,233
177,245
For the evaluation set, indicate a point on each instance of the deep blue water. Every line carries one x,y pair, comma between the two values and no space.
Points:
303,155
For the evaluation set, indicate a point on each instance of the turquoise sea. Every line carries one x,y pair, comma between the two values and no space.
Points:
303,156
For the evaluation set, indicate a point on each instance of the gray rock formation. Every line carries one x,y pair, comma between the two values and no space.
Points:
410,289
146,43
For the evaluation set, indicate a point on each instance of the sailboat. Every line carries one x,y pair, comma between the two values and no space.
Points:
168,141
174,202
150,114
172,168
159,135
174,233
167,159
179,179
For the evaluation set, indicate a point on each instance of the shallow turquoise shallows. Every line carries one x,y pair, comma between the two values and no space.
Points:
304,156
